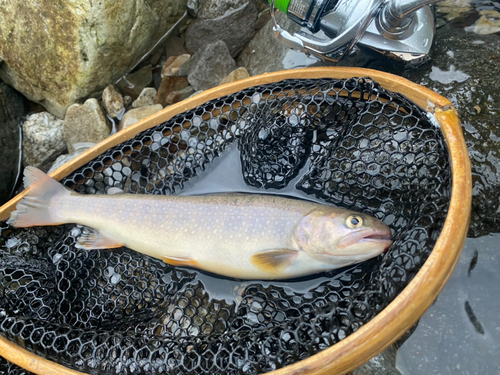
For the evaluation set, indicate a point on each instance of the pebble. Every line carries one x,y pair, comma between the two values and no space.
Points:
112,101
43,140
135,115
85,123
133,84
79,148
172,65
168,85
210,65
235,75
146,98
179,95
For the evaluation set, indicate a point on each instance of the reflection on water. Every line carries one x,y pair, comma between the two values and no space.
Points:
460,333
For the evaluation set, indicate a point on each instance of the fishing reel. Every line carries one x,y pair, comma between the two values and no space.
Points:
401,29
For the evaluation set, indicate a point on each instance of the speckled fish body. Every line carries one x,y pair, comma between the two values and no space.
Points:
243,236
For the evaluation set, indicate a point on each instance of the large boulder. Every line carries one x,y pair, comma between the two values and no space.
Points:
11,112
58,52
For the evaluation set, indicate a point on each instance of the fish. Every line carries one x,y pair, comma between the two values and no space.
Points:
237,235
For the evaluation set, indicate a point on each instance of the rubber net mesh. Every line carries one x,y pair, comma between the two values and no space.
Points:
117,311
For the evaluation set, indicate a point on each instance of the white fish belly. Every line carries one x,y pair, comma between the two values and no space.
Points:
214,231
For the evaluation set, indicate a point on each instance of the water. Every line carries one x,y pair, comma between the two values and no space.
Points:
460,333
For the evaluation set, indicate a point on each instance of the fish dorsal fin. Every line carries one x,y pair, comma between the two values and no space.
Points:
114,191
93,240
273,260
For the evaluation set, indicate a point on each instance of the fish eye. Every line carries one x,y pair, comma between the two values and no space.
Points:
354,221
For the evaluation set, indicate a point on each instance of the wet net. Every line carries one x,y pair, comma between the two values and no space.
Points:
347,142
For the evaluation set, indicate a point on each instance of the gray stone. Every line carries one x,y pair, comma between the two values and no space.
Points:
135,115
264,53
210,66
63,159
43,140
146,98
11,112
231,21
112,101
74,49
85,123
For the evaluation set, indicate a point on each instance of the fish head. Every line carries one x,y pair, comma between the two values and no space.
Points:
337,235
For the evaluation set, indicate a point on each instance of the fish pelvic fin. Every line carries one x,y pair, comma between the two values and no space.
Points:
94,240
33,209
273,260
180,262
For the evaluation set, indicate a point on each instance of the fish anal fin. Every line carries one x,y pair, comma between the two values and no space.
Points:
180,261
273,260
93,240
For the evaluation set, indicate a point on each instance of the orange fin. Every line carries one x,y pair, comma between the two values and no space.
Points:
180,262
93,240
274,260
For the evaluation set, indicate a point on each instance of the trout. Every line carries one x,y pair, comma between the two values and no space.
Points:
243,236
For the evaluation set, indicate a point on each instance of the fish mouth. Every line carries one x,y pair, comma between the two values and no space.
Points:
379,238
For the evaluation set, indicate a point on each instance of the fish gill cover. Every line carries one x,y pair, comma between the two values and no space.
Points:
122,312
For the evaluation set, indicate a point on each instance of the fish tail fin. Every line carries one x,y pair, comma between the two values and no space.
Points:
35,207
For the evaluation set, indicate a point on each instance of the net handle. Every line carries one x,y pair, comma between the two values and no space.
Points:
407,307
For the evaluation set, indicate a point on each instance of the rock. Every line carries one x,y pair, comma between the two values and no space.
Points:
11,112
488,23
85,123
73,49
451,9
135,115
133,84
43,140
171,67
210,65
175,45
179,95
262,19
235,75
264,53
228,20
127,100
112,101
193,6
146,98
63,159
168,85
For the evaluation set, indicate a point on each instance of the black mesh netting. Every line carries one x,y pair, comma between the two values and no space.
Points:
121,312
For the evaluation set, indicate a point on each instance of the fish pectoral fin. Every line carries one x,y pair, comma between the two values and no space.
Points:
273,260
180,261
93,240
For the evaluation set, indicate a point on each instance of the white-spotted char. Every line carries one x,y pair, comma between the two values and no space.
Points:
245,236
